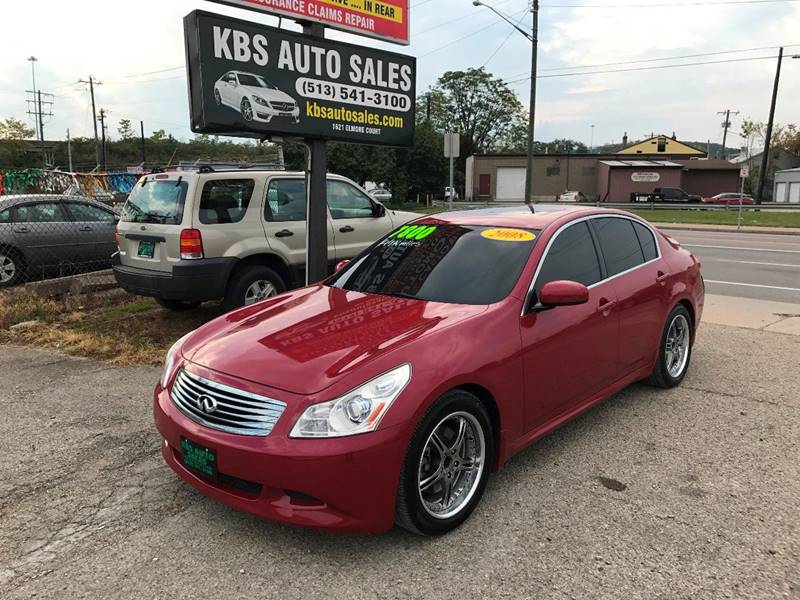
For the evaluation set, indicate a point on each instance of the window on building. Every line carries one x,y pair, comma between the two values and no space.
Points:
553,171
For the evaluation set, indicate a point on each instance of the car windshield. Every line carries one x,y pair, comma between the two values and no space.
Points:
156,202
458,264
254,81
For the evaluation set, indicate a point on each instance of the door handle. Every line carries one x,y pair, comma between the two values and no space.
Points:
21,230
346,229
284,233
86,228
605,305
661,277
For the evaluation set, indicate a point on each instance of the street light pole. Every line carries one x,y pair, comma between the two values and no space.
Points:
534,40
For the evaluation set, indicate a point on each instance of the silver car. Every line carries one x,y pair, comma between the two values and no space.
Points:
43,235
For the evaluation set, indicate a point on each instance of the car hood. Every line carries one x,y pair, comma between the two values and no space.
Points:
399,217
268,94
307,340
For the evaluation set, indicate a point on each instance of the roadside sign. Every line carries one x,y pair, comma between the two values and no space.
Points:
452,145
744,172
382,19
248,79
646,176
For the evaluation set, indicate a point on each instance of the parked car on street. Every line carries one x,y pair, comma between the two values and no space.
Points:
238,236
730,199
381,194
666,195
448,192
51,235
572,197
389,392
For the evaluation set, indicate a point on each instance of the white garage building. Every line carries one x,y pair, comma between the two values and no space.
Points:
787,186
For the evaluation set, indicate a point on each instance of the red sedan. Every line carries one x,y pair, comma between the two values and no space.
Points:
390,392
731,199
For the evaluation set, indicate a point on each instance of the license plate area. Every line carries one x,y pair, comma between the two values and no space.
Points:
147,249
199,459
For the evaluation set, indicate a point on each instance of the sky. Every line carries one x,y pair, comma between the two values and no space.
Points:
136,51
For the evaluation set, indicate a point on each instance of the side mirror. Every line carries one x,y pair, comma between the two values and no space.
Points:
342,264
563,293
378,210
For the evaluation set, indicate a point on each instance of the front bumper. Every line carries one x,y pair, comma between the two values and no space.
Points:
267,113
345,484
192,281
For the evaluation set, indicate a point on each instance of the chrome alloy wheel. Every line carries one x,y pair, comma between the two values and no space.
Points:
676,349
7,268
259,290
247,110
452,464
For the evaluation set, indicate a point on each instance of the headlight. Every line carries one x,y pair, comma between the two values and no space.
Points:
260,100
358,411
173,354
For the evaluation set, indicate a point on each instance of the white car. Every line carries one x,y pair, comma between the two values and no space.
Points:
569,196
254,97
448,192
381,194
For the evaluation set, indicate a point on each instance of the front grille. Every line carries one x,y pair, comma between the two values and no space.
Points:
283,106
232,410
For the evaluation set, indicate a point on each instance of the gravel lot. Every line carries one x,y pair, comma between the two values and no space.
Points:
690,493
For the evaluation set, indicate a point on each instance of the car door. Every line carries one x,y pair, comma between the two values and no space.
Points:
94,231
44,233
285,221
357,220
640,277
569,352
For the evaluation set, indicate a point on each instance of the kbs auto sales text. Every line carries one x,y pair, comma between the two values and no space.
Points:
304,58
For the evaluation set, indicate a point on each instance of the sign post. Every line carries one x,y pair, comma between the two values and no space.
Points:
452,150
252,80
744,173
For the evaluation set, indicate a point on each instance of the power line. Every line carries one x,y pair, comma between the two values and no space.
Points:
668,4
132,75
653,68
469,15
503,43
469,35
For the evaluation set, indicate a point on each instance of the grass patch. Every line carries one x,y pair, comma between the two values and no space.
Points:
119,330
720,217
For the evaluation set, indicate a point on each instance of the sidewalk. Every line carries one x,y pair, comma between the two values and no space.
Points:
729,228
764,315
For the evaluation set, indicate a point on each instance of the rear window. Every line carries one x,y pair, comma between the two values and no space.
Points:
225,200
459,264
156,202
647,241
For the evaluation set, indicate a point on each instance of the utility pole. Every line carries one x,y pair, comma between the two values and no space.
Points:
102,118
38,103
532,107
69,151
591,142
725,125
33,60
92,83
762,175
41,127
141,128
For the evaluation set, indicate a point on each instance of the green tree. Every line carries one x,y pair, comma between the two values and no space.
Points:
14,129
13,134
125,129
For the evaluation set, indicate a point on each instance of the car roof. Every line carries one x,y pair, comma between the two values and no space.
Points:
529,216
16,199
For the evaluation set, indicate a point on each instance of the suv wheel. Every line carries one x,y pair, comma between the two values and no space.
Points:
252,284
446,467
176,305
10,268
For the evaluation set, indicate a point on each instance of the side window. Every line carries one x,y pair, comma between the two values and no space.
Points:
5,216
647,241
87,212
346,202
572,256
620,245
286,200
42,212
225,200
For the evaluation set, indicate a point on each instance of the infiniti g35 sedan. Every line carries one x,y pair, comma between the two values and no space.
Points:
390,392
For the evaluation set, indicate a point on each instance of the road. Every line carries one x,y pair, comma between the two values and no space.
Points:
683,493
748,265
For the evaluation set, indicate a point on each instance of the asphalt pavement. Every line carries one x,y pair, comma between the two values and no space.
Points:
747,265
688,493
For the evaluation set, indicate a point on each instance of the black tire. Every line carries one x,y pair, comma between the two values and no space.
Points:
410,512
217,98
661,376
241,281
177,305
12,265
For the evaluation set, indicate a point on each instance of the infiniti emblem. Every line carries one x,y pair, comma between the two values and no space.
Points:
206,403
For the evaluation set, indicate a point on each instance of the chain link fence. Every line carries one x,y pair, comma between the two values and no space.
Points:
56,244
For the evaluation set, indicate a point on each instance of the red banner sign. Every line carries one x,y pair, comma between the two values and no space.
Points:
383,19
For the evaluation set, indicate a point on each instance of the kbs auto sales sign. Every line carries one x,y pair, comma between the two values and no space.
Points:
254,80
382,19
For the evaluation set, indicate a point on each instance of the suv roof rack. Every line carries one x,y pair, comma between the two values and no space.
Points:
207,166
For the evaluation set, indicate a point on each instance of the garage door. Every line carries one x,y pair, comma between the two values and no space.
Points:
780,192
511,183
794,193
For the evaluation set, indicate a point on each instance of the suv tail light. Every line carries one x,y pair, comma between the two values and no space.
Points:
191,244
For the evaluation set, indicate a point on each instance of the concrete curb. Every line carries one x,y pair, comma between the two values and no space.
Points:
727,228
747,313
